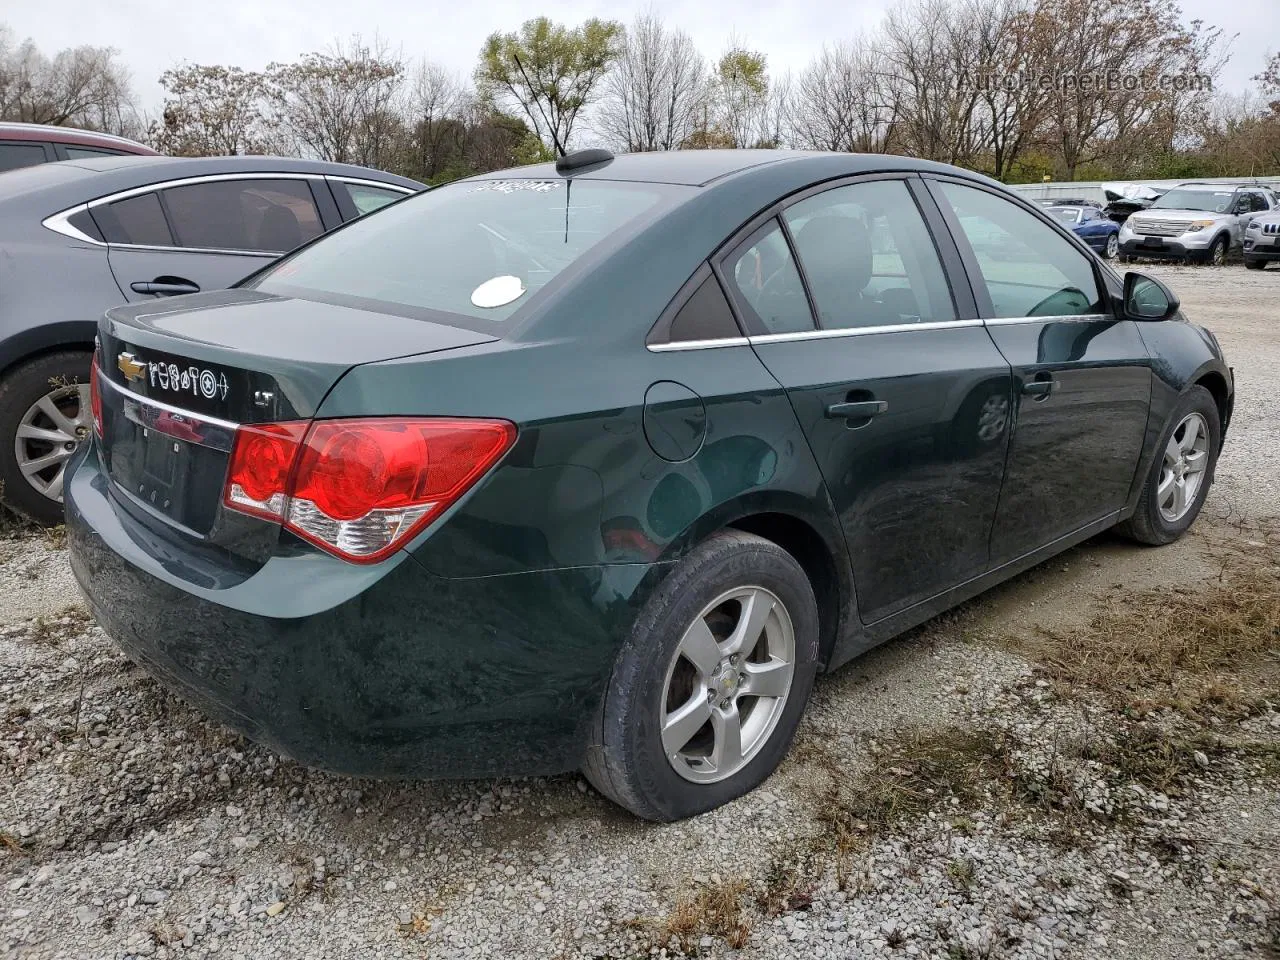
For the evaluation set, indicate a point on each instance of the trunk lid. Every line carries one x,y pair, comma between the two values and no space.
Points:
177,377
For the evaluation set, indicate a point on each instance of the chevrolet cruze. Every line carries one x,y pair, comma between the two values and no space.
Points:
595,465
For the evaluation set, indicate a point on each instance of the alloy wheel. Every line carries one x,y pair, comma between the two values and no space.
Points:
48,434
1113,246
992,418
1182,473
727,684
1219,254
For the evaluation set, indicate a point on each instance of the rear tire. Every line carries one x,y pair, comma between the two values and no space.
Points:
656,681
1150,523
62,378
1112,248
1255,264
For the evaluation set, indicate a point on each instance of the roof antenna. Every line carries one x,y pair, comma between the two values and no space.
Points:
551,129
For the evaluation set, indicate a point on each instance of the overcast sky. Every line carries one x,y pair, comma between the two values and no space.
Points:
153,35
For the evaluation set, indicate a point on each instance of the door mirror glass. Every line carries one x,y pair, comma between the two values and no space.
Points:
1147,299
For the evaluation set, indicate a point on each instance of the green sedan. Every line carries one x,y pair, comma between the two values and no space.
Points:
596,465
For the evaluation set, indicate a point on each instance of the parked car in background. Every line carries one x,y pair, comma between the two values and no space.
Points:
1262,241
28,144
596,464
1068,202
1091,225
1196,222
1125,199
80,236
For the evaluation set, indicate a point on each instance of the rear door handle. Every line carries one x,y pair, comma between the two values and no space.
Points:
1037,388
857,410
164,286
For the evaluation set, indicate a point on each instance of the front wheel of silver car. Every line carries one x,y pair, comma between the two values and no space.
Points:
1217,255
44,416
1113,247
708,690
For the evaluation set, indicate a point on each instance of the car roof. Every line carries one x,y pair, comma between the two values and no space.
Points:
88,138
699,168
85,180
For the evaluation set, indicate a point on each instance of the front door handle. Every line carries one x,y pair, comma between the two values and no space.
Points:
1037,388
165,286
860,409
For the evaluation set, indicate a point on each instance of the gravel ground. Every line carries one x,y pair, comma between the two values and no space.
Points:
133,827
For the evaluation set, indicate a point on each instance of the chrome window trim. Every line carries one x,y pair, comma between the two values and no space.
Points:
862,331
332,178
675,345
58,221
1065,318
221,439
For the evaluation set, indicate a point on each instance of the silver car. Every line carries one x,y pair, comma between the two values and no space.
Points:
1200,222
1262,240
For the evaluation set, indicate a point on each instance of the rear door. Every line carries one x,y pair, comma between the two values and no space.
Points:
900,391
1082,376
355,198
204,235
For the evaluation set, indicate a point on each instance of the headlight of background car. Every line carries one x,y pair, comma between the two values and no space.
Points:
1254,225
1198,225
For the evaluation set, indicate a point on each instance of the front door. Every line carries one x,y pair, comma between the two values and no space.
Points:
903,397
1082,377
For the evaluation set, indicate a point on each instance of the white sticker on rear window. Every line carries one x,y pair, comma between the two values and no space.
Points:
497,292
515,186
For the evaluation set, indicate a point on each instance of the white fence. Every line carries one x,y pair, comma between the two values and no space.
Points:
1092,190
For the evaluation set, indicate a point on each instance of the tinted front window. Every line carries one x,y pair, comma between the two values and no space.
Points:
15,155
1210,201
367,199
1029,269
868,257
766,284
88,153
480,248
1257,202
265,215
134,220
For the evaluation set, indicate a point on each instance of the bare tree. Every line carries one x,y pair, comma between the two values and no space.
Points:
930,47
211,111
655,92
82,86
340,105
843,102
437,104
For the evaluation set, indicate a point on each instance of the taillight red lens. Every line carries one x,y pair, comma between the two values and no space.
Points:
360,488
261,459
95,392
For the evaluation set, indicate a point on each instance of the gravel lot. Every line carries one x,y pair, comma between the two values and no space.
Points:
950,794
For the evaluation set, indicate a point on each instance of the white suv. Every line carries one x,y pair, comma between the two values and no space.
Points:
1202,222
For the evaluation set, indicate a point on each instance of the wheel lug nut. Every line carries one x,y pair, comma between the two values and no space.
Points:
724,704
711,696
733,659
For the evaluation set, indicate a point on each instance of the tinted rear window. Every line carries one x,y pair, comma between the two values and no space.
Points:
481,249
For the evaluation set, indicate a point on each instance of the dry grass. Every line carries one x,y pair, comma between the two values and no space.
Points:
715,910
1213,651
909,776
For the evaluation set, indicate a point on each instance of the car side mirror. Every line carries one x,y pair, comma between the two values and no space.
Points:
1147,299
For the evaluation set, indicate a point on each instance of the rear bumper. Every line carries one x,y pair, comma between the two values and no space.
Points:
386,671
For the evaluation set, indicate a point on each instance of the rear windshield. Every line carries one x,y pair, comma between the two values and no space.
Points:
1065,214
482,249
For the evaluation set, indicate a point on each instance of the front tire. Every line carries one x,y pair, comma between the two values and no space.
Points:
44,414
1255,264
1180,477
708,690
1217,253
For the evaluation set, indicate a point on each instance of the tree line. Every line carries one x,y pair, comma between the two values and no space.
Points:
1018,89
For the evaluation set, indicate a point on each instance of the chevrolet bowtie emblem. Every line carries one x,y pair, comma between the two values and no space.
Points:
130,367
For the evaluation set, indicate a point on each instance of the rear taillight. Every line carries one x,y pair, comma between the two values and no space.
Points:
95,392
360,488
